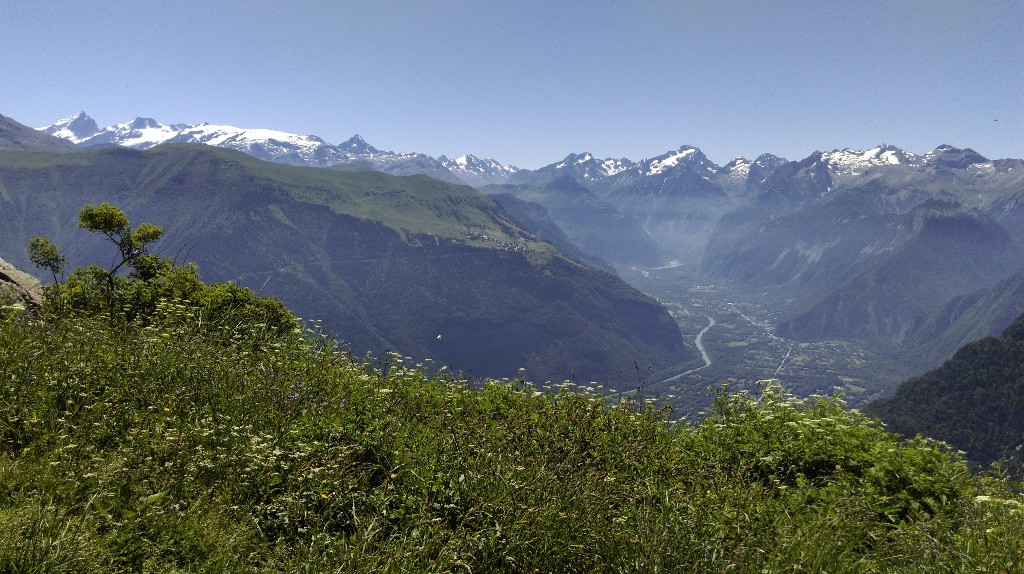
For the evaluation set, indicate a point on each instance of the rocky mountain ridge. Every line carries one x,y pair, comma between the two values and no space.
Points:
677,197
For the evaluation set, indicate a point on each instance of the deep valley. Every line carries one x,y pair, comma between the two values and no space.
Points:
743,347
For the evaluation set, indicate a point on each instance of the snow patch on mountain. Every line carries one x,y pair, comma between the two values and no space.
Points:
478,172
686,157
672,160
225,136
852,162
267,144
140,133
586,167
739,168
614,166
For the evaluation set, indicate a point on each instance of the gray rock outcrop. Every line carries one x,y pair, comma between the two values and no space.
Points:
20,286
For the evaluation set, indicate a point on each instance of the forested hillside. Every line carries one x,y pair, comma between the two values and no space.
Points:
974,401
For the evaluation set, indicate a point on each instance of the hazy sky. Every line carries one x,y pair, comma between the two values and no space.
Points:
528,82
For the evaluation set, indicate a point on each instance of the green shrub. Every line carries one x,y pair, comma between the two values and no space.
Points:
152,281
783,441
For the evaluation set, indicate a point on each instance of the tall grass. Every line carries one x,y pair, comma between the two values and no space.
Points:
181,447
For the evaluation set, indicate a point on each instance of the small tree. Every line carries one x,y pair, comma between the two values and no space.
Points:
133,251
46,255
132,244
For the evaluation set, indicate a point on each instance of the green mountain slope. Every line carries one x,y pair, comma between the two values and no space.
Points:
411,264
970,317
535,217
974,401
14,135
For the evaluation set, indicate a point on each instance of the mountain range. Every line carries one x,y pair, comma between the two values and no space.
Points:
279,147
883,246
870,245
409,264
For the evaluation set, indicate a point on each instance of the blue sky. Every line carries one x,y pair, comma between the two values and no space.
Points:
528,82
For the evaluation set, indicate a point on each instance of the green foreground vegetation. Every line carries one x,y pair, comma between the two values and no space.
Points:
181,447
152,423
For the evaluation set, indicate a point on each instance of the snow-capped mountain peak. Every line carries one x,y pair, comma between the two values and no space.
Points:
686,155
739,167
478,172
587,167
139,133
220,134
272,145
467,163
75,128
855,162
889,154
947,156
358,146
662,163
613,166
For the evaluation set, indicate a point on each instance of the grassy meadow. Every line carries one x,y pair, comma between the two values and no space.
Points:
182,443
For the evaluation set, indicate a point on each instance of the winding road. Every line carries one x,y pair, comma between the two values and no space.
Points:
698,340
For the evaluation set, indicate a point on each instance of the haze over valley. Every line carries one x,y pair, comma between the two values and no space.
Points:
848,268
